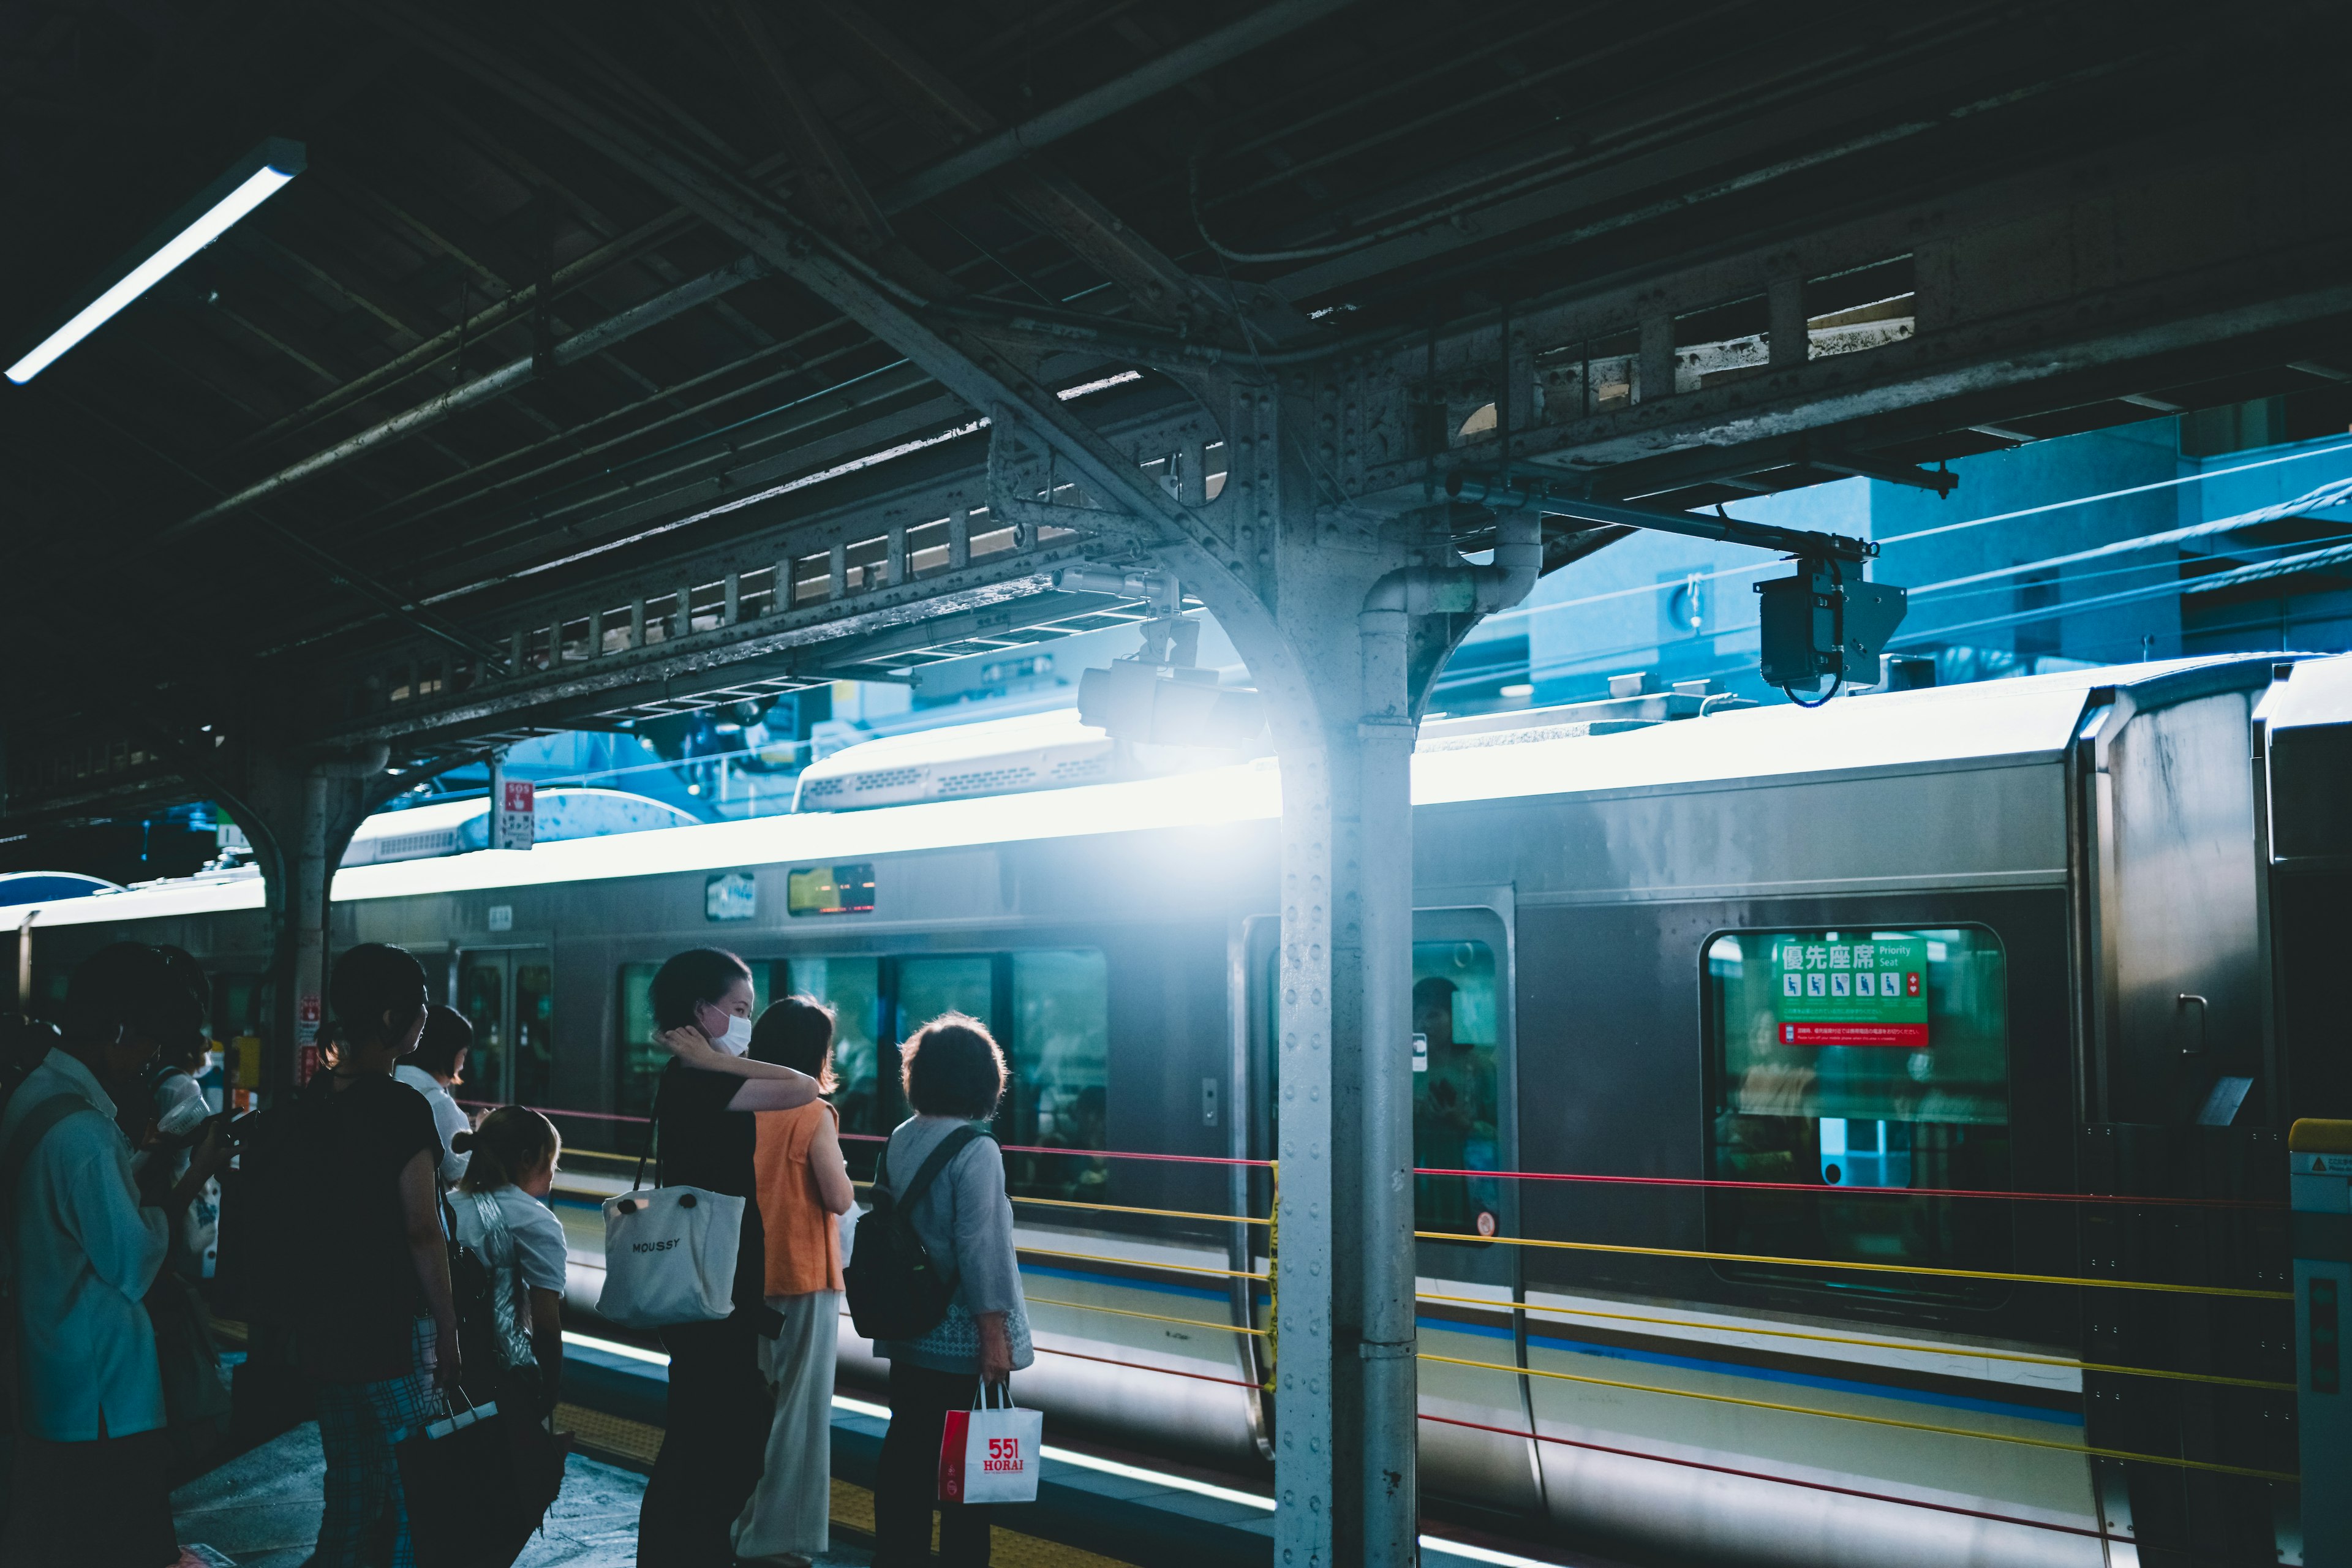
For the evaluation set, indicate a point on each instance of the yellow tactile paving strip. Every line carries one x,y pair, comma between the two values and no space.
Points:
636,1443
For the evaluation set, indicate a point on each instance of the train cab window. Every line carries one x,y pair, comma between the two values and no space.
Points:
1060,1059
853,986
1863,1062
1456,1105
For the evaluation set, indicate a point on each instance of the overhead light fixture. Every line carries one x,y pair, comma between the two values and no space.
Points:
256,178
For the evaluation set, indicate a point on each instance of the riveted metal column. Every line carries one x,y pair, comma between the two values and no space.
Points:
1343,1429
300,813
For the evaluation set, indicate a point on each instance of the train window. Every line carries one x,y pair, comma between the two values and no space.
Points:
1456,1108
481,997
534,1032
853,988
1863,1059
1060,1053
929,987
641,1060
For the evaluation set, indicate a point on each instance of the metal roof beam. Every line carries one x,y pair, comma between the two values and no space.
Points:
975,371
1173,68
1161,289
581,345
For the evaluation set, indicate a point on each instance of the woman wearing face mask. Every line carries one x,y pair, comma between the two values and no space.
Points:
714,1444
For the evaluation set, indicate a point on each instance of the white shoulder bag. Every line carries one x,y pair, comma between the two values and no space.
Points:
669,1252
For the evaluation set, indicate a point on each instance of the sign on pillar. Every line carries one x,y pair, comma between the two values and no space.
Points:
305,1037
514,819
2319,1162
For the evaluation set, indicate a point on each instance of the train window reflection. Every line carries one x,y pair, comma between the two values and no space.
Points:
1456,1115
481,997
853,988
931,987
1060,1053
641,1060
534,1033
1868,1060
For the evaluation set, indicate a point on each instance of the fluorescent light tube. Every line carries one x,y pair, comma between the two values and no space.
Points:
246,194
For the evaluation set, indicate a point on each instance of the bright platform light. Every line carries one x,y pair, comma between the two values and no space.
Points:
248,194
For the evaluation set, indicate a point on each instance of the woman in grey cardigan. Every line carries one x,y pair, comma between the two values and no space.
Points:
954,1075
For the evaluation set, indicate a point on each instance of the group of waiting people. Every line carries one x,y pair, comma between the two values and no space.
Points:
109,1155
744,1473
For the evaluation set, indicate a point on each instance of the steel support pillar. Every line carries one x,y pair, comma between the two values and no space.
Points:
299,814
1345,1388
1360,626
1344,1378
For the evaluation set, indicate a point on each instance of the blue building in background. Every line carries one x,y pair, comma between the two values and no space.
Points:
2098,548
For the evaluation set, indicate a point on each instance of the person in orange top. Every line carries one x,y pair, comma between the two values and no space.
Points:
802,1185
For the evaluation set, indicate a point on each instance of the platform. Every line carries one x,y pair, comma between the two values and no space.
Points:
260,1508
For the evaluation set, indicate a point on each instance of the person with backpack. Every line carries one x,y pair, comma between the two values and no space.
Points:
375,1317
704,1133
944,1179
803,1186
82,1249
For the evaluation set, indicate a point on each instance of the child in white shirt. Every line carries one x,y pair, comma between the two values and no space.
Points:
502,1215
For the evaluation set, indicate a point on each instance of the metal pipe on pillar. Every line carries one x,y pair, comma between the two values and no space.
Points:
1383,1125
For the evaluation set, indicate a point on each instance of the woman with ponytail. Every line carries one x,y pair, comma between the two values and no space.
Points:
503,1215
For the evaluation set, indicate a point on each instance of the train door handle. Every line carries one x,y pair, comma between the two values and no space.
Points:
2204,1012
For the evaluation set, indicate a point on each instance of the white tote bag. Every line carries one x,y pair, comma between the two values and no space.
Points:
991,1452
669,1256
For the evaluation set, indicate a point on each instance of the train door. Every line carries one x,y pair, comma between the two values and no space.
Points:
508,995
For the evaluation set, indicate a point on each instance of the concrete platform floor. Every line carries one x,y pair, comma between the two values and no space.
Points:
261,1510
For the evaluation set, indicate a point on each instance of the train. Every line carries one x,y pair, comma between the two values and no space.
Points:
1736,1031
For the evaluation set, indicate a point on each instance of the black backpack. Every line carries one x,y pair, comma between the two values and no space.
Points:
896,1291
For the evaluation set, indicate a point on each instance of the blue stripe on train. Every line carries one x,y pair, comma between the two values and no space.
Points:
1770,1374
1612,1352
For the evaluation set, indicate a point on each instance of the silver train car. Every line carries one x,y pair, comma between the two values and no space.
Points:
1795,997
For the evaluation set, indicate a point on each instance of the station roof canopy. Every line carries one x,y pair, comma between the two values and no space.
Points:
497,348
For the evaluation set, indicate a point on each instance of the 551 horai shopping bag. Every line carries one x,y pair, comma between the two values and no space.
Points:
989,1453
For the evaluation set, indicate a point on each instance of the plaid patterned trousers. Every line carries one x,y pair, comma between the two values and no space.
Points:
358,1425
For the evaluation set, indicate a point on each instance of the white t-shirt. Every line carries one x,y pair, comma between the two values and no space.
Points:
537,1234
448,1118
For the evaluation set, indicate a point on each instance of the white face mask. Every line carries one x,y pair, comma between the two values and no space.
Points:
737,1040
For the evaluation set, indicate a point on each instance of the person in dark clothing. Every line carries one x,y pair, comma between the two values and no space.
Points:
377,1323
714,1442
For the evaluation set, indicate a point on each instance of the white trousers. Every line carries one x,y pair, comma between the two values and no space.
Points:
791,1512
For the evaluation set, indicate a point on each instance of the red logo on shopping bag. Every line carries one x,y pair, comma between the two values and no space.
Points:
952,1442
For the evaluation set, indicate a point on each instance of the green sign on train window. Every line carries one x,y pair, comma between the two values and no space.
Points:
1870,991
830,890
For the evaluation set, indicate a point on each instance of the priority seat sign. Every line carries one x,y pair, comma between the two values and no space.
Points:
1866,993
